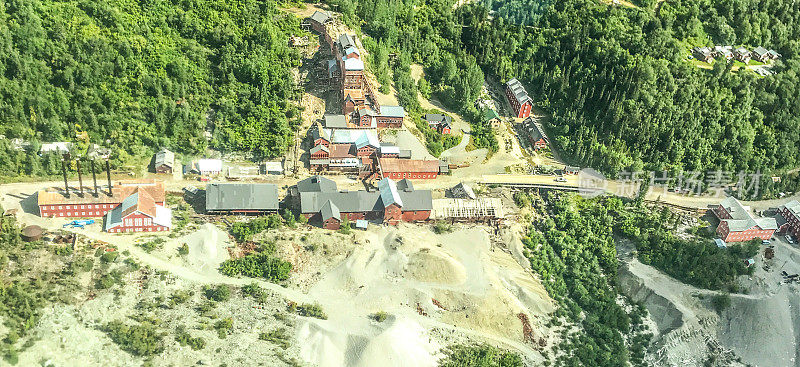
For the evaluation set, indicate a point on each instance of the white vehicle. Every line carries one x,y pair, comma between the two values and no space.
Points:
561,179
789,239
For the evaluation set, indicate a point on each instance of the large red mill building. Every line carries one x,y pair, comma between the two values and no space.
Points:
737,224
54,203
518,98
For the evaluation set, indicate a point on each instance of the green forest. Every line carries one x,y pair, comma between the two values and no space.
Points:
616,80
140,75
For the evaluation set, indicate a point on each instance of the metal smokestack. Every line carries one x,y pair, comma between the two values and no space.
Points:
64,172
108,175
94,179
80,177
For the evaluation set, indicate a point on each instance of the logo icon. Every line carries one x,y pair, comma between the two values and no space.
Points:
591,183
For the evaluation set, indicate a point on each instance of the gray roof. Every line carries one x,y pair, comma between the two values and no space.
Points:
335,121
165,157
236,196
463,191
536,132
320,17
329,210
742,219
346,201
405,185
404,154
793,207
389,194
437,118
316,184
364,201
346,40
760,51
318,148
393,111
518,90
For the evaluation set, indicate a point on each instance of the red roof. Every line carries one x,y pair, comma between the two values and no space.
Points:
408,165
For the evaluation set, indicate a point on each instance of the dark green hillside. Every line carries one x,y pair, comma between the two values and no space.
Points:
146,74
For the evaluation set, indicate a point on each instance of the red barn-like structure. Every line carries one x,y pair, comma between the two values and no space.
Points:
737,224
518,98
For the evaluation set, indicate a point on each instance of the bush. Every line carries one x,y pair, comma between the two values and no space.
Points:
109,257
442,227
140,340
183,250
179,297
107,281
277,336
311,310
479,355
152,244
223,327
244,231
220,293
259,265
253,290
379,316
721,302
184,339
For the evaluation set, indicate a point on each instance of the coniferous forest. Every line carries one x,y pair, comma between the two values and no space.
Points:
617,80
141,75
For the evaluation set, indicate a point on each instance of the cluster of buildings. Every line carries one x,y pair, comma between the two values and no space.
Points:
349,142
708,54
737,223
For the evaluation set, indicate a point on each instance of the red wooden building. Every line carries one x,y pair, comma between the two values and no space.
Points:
737,224
790,212
398,169
138,213
54,203
518,98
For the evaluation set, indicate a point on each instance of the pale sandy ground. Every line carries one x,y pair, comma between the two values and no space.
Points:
470,272
761,327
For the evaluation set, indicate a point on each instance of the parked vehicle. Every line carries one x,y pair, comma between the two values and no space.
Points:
765,242
789,239
561,179
81,223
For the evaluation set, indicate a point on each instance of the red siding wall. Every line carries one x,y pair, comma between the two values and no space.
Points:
78,210
395,122
331,224
411,175
412,216
136,222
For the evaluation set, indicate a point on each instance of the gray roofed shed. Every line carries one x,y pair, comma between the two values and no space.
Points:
236,196
335,122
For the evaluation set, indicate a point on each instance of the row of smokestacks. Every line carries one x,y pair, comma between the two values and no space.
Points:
96,192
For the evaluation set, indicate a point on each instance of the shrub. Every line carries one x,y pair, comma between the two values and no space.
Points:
183,250
379,316
109,257
277,336
720,302
442,227
107,281
479,355
184,339
220,293
179,297
311,310
253,290
259,265
140,340
223,327
152,244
